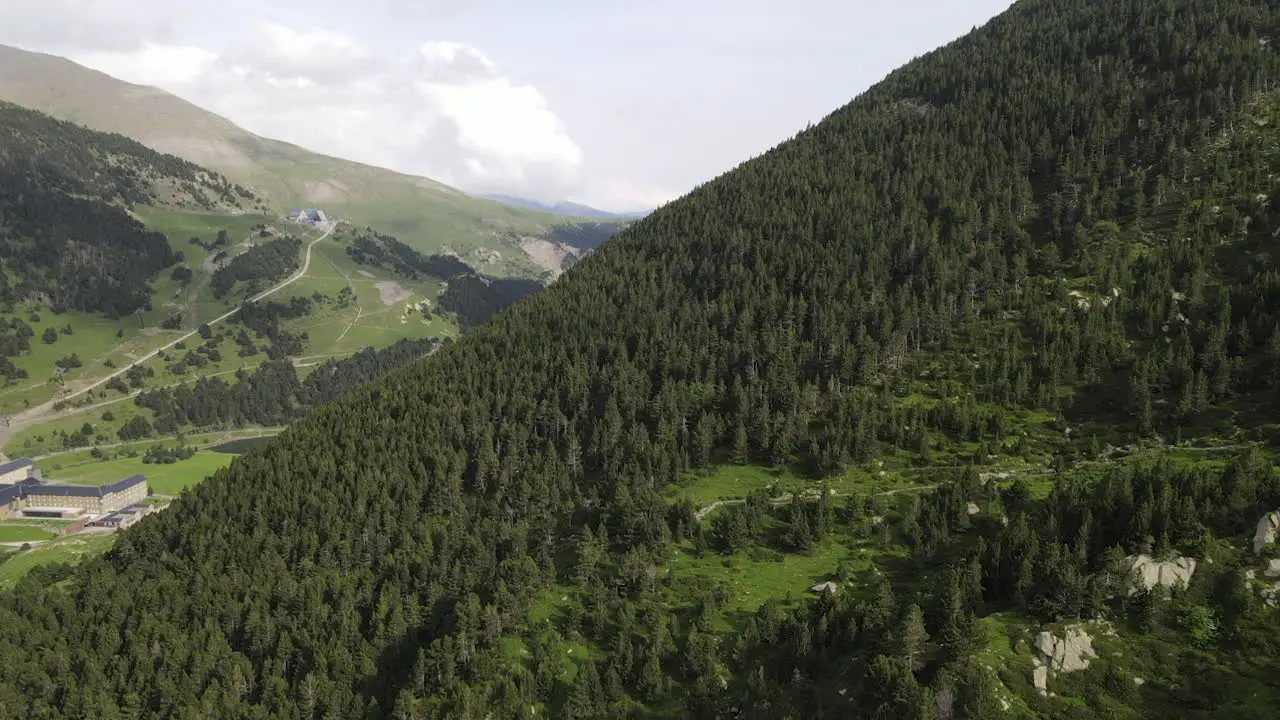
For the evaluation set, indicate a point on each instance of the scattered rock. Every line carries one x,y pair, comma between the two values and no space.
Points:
826,588
1040,676
1139,681
1147,572
1273,568
972,509
1065,654
1004,705
1266,532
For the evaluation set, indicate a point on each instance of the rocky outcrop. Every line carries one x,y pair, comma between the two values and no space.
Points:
1270,593
972,509
826,588
1265,534
1146,572
1055,655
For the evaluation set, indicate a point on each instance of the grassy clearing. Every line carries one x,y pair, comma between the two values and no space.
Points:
368,321
545,618
97,339
73,549
48,437
735,482
15,532
162,479
758,574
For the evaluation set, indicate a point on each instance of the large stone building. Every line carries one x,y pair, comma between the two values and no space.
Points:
33,498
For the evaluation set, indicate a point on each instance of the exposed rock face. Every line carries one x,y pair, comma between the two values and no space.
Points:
1148,573
826,588
1268,528
1273,568
972,509
1060,654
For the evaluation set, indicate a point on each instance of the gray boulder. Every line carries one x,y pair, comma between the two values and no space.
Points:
1147,573
1265,534
826,588
1053,654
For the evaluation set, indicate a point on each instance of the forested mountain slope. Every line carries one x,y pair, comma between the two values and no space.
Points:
64,227
1066,213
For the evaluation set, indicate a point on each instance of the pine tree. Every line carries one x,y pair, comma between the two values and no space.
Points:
911,638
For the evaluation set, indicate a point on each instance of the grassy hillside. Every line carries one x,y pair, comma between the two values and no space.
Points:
966,350
427,214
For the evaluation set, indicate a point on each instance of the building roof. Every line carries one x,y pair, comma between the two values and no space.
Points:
16,465
9,493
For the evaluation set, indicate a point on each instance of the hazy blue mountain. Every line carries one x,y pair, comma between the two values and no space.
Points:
570,209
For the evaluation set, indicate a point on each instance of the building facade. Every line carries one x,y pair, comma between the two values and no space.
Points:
123,517
41,499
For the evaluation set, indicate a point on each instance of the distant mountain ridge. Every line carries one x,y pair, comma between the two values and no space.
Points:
568,209
425,213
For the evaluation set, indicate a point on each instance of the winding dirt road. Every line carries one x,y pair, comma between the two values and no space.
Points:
785,498
44,412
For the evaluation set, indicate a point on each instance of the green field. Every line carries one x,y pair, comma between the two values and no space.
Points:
369,321
98,340
14,532
95,340
757,574
72,549
333,331
161,479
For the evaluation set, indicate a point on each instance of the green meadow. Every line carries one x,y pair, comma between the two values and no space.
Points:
72,549
163,479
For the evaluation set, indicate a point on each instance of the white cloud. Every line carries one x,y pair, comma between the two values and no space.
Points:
88,25
623,196
445,111
159,65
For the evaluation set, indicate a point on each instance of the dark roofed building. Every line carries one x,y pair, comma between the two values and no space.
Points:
92,499
10,500
18,470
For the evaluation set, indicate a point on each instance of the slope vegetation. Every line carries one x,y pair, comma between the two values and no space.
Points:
64,196
1029,243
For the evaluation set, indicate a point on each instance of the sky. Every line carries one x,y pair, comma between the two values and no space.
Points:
618,104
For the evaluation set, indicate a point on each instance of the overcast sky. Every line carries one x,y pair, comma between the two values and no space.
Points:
621,104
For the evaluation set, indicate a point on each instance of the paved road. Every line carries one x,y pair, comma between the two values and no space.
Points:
42,412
